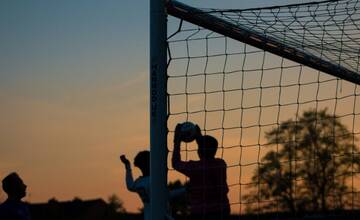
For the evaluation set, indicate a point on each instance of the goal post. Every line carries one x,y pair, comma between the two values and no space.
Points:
158,111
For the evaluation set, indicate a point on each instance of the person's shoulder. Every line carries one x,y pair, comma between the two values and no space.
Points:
5,205
5,208
143,180
220,161
194,162
11,204
1,207
192,165
14,210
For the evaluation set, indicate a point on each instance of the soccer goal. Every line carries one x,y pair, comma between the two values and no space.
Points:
277,87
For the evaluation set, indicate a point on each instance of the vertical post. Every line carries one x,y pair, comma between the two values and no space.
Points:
158,110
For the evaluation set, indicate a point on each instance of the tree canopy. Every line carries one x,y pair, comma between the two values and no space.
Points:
312,168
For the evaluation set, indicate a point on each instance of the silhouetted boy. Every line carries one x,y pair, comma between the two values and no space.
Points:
13,208
142,184
207,178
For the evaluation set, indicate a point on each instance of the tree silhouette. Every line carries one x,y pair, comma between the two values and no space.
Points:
116,204
53,200
314,158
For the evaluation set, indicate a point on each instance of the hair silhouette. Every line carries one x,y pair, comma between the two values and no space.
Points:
142,161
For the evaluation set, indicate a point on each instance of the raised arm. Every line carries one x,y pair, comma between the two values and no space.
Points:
179,165
176,157
130,184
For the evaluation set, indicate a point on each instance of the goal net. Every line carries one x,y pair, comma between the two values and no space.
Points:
278,88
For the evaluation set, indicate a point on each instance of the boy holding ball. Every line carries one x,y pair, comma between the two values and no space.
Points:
207,177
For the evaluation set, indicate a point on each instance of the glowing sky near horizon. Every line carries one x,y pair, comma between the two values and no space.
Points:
74,93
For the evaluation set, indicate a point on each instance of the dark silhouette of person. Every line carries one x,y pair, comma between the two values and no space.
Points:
13,208
207,178
142,184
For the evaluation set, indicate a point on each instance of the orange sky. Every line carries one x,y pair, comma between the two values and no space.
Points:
70,147
74,96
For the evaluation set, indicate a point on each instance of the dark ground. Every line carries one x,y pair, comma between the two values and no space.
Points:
100,210
339,215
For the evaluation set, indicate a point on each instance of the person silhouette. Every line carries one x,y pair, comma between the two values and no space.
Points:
13,208
207,178
142,184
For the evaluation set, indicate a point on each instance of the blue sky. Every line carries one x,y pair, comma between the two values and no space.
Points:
86,41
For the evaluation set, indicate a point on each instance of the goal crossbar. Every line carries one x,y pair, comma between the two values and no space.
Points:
256,39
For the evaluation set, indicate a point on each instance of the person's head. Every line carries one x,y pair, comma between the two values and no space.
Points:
14,187
142,161
207,146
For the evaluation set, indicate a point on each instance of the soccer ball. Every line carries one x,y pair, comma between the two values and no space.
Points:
188,131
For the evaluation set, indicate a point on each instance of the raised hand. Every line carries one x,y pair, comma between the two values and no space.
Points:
177,134
198,131
124,160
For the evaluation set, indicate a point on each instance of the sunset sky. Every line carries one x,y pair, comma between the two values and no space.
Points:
74,93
